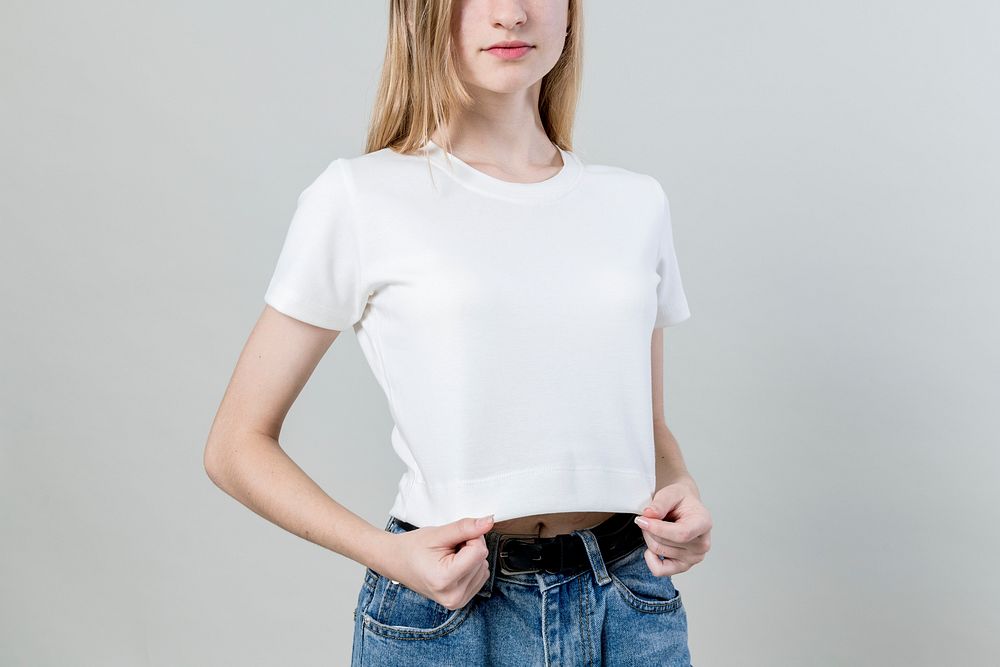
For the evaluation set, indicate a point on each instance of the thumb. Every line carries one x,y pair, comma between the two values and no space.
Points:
467,528
663,502
463,533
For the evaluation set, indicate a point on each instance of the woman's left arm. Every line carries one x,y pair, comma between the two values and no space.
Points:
677,525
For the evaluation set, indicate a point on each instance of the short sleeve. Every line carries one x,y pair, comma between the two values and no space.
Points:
671,302
318,275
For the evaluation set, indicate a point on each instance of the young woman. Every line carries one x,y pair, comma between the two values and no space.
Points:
510,299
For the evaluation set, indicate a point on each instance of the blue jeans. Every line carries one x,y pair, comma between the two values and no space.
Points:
613,613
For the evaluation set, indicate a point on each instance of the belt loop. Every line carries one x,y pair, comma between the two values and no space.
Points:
594,555
492,539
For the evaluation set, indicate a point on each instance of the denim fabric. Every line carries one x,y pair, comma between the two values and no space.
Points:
614,613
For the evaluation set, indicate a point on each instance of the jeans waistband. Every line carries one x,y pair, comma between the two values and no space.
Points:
542,579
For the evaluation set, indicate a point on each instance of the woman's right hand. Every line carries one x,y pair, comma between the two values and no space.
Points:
425,560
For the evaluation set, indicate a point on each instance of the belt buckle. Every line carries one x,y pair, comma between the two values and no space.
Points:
530,539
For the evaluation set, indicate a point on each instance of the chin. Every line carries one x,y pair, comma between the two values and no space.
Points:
504,84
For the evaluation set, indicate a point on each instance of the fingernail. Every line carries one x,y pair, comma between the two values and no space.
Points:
482,521
642,522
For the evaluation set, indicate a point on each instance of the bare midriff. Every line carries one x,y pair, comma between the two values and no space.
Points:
548,525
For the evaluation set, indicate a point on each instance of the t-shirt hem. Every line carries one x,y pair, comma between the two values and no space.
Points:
305,311
523,493
669,321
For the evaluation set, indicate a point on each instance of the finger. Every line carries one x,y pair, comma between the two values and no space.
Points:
684,555
479,578
467,558
468,579
470,582
474,553
679,532
668,551
662,568
697,546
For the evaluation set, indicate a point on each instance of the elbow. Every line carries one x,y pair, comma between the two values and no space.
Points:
229,451
214,462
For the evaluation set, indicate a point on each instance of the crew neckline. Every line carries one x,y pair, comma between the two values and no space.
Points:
552,187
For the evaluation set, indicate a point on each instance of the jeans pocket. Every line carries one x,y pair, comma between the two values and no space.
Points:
396,611
642,589
366,593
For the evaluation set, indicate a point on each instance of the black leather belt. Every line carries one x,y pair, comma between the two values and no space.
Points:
565,553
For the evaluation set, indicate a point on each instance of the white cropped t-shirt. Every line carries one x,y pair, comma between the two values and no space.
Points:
508,324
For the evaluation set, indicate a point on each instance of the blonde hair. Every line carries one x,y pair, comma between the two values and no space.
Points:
419,89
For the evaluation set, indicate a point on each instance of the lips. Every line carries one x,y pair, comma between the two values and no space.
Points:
509,50
508,45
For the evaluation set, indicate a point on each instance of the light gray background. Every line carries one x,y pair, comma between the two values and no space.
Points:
833,172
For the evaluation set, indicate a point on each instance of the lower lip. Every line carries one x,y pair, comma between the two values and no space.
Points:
509,53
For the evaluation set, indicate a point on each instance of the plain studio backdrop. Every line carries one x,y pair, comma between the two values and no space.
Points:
833,170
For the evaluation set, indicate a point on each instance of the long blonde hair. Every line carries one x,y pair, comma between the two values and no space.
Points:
419,89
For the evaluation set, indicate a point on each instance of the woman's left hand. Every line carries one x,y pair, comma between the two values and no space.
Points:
683,538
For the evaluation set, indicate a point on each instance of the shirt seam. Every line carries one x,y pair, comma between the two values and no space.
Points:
347,179
527,199
535,471
285,296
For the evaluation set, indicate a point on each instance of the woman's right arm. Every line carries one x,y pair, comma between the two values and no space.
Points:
243,456
319,287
